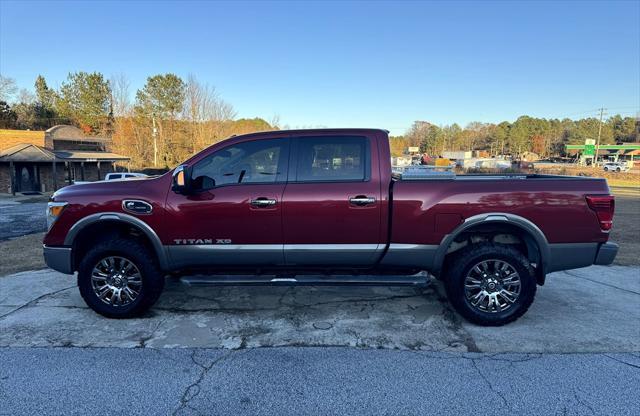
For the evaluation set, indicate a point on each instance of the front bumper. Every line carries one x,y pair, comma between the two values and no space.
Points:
606,254
58,258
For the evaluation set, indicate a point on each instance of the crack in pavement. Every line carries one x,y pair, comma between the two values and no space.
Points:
143,341
193,389
621,361
450,316
285,305
486,380
600,283
34,301
582,402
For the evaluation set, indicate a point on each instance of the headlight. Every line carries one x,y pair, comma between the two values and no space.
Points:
54,209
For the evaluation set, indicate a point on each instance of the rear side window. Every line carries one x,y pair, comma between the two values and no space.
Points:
116,176
335,158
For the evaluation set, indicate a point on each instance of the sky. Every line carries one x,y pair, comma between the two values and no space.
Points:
347,64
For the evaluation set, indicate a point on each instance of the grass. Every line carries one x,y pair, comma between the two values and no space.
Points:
625,183
21,254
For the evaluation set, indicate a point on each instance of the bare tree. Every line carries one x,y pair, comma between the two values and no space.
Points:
120,98
26,97
275,122
7,88
206,113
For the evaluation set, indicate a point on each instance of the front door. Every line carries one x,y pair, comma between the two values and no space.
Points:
234,217
27,178
332,203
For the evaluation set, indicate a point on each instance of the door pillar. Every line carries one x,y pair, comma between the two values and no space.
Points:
55,176
12,174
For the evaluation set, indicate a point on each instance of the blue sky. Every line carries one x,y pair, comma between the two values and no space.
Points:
339,64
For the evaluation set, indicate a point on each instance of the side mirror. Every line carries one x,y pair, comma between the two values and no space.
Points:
182,180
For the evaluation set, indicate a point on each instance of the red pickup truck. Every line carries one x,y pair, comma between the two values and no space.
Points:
326,202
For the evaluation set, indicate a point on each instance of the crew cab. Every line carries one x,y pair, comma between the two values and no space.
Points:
326,202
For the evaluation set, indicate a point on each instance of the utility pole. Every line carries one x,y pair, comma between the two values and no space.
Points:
599,134
155,141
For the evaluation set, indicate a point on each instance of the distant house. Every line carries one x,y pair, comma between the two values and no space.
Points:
46,161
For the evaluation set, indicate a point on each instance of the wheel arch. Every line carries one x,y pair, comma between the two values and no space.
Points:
532,236
114,222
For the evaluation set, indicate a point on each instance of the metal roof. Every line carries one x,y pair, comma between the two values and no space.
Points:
26,152
31,153
73,155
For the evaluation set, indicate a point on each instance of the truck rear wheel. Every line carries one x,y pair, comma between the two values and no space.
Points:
490,284
119,278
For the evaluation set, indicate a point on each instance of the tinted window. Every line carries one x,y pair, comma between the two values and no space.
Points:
337,158
260,161
117,176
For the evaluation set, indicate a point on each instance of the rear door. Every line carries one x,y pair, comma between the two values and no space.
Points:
331,204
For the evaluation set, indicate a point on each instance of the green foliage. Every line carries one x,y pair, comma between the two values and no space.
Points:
85,98
162,96
544,136
7,116
44,95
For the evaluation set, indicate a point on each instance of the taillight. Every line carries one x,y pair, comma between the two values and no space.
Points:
603,205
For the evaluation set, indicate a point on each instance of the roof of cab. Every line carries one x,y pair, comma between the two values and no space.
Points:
309,132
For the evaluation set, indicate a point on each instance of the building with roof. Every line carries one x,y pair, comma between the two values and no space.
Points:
586,153
63,155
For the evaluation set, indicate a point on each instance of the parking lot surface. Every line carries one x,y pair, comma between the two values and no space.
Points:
587,310
317,350
314,381
18,219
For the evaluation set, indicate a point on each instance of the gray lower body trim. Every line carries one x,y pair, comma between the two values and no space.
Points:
332,254
58,258
606,254
410,255
184,256
225,254
571,256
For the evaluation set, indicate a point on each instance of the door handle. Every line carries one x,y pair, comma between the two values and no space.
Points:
263,202
362,200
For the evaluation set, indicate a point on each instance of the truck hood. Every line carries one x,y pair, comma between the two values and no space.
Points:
123,189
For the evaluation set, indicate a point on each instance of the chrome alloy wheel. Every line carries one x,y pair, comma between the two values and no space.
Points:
492,286
116,281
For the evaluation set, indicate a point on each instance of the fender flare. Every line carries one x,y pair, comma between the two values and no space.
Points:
124,218
522,223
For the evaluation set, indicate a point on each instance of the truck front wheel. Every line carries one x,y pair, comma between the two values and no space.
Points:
119,278
490,284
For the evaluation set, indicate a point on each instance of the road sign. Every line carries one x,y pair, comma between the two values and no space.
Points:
413,149
589,149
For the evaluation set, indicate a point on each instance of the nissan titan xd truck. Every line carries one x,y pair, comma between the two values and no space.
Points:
326,202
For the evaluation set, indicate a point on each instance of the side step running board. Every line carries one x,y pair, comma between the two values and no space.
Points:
420,279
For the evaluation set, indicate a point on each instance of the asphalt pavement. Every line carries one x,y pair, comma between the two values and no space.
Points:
320,351
18,219
313,381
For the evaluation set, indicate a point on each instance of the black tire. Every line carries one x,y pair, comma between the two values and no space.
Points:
151,276
617,169
606,169
466,259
